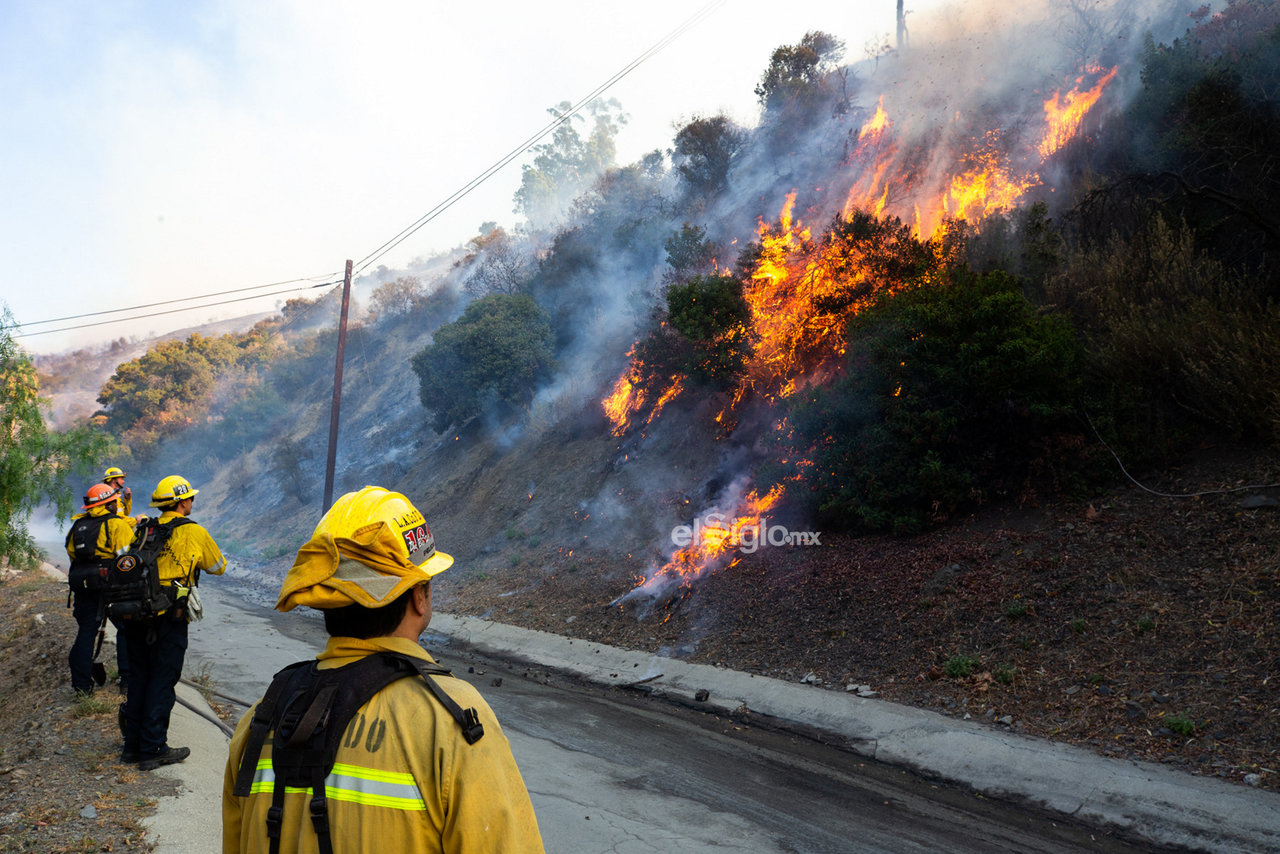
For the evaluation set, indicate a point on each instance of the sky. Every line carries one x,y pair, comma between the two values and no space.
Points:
152,150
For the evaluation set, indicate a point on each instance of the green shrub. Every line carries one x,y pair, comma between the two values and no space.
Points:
498,352
1180,723
1015,609
960,665
953,393
712,313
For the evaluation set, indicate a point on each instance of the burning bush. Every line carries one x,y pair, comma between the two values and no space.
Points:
711,312
947,397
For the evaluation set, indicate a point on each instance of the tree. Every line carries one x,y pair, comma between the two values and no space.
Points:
165,390
951,393
498,267
796,73
705,150
396,298
35,463
567,165
497,353
689,252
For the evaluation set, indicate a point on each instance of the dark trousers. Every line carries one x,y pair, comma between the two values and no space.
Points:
85,608
156,649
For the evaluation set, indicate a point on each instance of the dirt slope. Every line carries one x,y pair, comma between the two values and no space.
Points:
1132,624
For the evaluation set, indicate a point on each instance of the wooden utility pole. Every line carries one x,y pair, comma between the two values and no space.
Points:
902,26
336,408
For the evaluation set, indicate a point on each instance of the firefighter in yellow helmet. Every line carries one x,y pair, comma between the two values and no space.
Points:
157,646
114,477
423,765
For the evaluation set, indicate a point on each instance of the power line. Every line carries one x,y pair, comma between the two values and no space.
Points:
169,302
410,230
172,310
662,43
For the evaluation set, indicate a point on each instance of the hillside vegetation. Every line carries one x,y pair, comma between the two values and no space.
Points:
922,309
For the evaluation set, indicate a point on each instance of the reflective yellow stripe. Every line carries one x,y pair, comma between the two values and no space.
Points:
354,784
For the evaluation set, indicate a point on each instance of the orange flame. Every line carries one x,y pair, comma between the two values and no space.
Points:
713,544
625,399
1064,115
877,123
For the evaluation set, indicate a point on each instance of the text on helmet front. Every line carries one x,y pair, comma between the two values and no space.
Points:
418,539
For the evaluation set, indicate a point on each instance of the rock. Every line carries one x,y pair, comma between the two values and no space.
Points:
1072,690
1159,698
702,695
496,682
89,812
811,679
1007,720
1258,502
941,580
1133,711
1254,780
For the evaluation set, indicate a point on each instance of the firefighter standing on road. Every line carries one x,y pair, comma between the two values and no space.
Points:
96,537
158,646
409,777
114,477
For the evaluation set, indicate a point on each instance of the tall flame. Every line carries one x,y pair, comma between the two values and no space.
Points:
1063,115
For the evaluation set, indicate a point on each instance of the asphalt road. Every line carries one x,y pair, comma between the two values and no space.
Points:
615,771
611,772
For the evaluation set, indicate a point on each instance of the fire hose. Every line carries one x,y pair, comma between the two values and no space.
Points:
208,715
204,689
206,712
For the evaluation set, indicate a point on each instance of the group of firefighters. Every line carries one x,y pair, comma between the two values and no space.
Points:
438,777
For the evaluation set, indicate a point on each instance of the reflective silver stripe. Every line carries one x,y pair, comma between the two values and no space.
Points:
353,783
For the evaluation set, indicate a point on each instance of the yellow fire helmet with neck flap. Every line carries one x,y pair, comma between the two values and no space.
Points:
370,548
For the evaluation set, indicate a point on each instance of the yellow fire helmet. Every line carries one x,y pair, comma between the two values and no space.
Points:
170,489
112,473
370,548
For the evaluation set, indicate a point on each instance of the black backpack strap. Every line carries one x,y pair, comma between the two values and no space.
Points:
259,727
311,726
472,729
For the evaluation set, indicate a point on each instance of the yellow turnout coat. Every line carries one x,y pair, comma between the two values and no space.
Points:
404,779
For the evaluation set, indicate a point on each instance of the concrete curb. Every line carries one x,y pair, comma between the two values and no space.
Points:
1141,799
